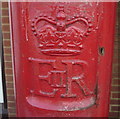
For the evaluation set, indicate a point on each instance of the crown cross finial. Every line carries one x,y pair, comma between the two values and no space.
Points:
61,14
61,8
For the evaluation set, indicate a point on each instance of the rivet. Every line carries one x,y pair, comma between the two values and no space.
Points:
36,17
32,25
53,19
89,21
50,17
96,28
68,19
73,17
45,15
40,45
90,25
81,15
77,16
86,34
80,46
33,29
89,30
86,18
40,15
33,21
35,33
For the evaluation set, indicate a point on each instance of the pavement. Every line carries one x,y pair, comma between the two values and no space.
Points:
0,111
3,112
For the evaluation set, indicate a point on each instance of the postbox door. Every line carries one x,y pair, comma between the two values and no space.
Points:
62,58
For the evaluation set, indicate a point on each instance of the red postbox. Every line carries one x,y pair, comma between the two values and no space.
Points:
62,54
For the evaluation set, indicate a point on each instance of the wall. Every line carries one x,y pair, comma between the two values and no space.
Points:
115,91
115,95
1,86
8,60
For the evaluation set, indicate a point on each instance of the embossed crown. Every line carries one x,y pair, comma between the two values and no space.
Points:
61,35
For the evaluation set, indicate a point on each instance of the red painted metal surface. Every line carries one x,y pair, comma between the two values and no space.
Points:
62,55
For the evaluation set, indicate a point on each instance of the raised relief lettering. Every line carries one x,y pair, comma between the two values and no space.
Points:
78,79
57,78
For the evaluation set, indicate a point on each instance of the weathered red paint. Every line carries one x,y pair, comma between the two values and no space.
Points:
62,55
